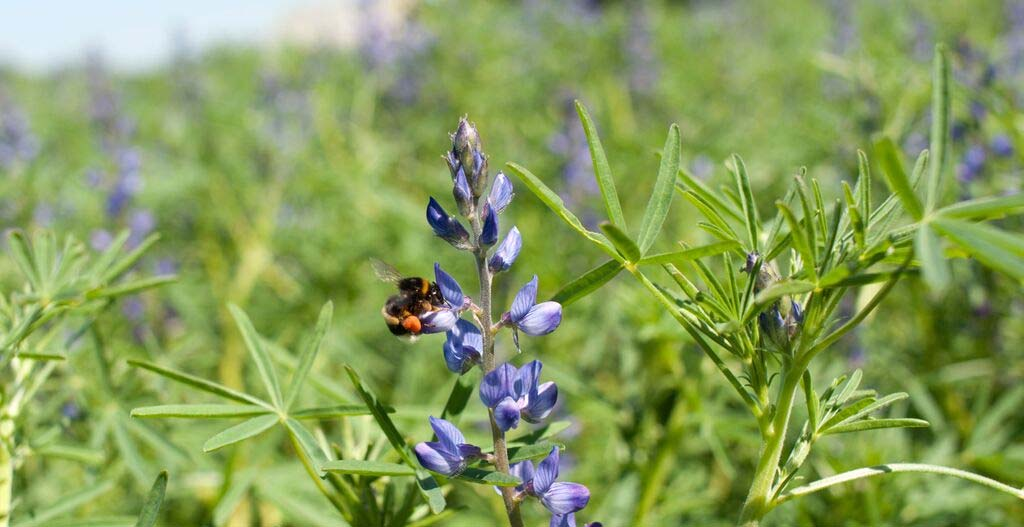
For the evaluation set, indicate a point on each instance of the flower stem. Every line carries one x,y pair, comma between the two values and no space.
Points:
501,464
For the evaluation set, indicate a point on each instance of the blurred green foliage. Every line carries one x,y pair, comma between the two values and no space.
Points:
274,175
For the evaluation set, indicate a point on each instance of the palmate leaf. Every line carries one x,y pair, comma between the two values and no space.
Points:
254,343
602,171
241,432
661,196
426,483
589,282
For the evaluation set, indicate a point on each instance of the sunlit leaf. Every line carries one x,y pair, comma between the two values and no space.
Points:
240,432
602,171
661,196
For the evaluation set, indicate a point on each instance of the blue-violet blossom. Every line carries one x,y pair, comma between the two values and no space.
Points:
515,394
450,454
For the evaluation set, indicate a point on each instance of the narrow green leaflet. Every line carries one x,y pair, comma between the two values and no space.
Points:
686,255
151,508
130,287
426,483
940,125
200,411
896,177
626,247
240,432
333,412
602,171
368,468
21,253
96,521
589,282
661,196
488,477
995,248
309,355
123,265
987,208
555,203
198,382
874,424
254,343
534,451
934,266
308,443
750,218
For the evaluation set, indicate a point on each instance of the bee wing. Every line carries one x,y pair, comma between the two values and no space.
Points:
385,271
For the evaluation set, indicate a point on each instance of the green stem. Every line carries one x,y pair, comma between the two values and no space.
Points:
332,497
892,468
6,483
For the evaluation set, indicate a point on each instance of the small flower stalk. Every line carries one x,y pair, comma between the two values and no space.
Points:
511,394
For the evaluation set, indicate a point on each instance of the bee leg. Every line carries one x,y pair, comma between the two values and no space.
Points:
393,320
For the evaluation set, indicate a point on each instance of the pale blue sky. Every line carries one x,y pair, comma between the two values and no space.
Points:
43,34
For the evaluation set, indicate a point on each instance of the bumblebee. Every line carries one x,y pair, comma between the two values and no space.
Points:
416,296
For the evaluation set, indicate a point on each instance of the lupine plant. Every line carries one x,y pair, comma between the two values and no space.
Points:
510,394
763,327
65,292
346,474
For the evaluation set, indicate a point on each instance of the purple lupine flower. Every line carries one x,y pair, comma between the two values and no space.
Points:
450,454
972,164
1002,146
528,316
569,520
140,224
507,252
515,394
100,239
463,347
446,227
561,498
17,142
445,318
489,233
501,193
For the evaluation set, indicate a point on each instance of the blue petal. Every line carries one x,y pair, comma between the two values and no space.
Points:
448,435
564,498
450,289
445,226
525,298
497,385
507,252
528,377
433,456
547,473
563,520
489,232
462,348
438,321
501,193
542,319
506,414
524,471
462,193
540,402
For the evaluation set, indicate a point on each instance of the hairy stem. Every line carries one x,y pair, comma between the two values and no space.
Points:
515,518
